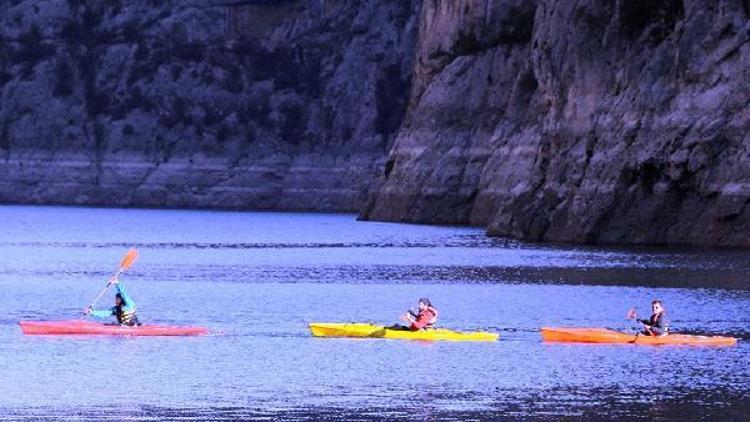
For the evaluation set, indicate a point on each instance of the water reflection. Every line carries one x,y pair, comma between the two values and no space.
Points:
580,403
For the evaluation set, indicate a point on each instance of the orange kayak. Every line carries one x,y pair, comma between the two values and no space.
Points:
603,335
79,327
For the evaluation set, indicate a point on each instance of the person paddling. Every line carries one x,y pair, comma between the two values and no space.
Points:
425,318
124,309
657,325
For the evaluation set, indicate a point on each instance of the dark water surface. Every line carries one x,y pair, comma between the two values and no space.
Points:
257,279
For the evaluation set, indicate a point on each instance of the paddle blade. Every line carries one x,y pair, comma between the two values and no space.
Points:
128,259
631,313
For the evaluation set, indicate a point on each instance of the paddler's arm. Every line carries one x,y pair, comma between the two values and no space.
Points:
408,318
100,313
129,303
420,322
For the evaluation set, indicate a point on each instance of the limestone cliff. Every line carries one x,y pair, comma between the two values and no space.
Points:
586,121
583,121
201,103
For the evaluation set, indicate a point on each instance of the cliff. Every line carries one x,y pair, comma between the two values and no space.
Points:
582,121
616,121
233,104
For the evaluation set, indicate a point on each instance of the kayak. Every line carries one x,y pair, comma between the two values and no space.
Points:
603,335
81,327
379,331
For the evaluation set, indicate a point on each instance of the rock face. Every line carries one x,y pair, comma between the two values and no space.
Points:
581,121
202,103
587,121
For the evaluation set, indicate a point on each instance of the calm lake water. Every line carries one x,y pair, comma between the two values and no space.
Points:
257,279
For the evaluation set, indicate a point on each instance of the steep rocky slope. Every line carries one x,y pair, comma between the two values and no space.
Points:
585,121
251,104
615,121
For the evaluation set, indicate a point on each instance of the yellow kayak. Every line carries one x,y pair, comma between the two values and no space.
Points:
378,331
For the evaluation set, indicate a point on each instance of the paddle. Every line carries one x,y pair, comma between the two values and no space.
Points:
634,316
126,262
405,316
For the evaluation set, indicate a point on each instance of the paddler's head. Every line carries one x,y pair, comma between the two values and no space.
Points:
118,299
657,306
424,303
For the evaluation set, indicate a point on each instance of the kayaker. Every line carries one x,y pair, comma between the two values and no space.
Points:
124,309
425,318
657,325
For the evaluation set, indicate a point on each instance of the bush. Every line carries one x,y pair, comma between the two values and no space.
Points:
65,79
294,123
5,77
659,16
31,50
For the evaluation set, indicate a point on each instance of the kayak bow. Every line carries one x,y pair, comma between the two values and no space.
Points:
379,331
78,327
603,335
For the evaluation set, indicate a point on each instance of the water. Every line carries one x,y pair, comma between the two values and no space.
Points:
257,279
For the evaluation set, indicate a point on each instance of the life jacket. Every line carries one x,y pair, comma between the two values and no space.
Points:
433,320
425,319
658,321
125,316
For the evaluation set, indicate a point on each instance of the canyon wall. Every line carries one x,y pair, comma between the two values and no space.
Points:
620,121
204,103
584,121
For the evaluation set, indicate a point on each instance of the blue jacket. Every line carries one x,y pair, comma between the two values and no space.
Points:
128,305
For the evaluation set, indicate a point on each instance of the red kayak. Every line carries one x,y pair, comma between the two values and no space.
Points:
81,327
